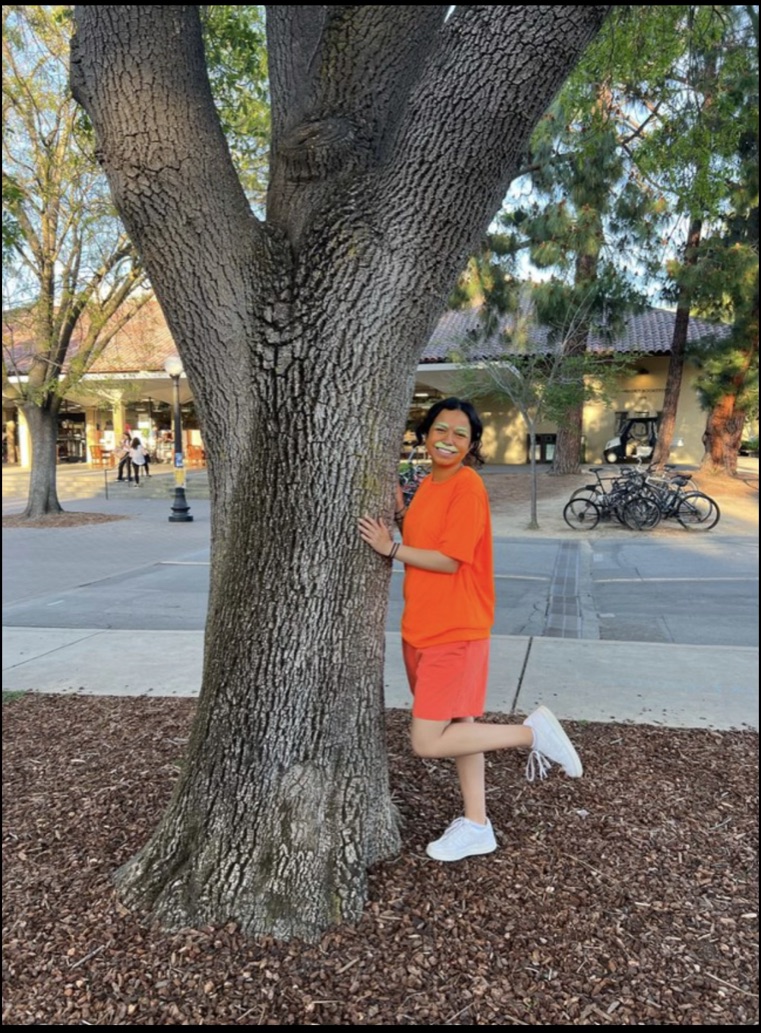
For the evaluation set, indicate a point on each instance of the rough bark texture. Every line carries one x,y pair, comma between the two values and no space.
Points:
567,458
300,337
726,420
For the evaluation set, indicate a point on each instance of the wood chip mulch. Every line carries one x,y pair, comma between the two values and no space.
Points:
628,897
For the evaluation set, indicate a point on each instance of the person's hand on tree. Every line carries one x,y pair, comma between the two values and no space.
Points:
376,535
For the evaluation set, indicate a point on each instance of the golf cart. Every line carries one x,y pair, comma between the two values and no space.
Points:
635,440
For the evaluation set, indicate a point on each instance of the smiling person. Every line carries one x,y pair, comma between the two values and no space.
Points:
448,614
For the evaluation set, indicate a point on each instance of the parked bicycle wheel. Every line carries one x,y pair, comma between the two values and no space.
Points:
581,514
697,512
640,513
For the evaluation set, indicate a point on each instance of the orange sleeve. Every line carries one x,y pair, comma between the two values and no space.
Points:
465,525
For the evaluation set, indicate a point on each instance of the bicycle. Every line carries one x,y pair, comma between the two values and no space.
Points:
620,496
411,475
694,510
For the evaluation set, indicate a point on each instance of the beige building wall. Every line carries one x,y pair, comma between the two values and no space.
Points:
505,433
643,392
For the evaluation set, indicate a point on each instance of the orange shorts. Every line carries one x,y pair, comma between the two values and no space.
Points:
448,681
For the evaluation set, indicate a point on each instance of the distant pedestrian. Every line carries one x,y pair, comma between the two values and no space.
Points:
446,624
125,463
137,457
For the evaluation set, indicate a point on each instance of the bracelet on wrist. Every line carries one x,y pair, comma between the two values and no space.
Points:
394,550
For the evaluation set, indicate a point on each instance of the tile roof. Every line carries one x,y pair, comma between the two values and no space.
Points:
649,332
144,342
141,345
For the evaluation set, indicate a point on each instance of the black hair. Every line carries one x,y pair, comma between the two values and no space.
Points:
136,442
455,404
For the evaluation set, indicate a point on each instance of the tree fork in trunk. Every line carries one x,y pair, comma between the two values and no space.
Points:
300,336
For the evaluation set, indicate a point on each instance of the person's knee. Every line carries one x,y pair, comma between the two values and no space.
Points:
425,738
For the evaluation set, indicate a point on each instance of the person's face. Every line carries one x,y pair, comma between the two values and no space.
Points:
448,440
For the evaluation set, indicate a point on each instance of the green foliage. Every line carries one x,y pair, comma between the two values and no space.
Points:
236,55
11,228
658,123
729,368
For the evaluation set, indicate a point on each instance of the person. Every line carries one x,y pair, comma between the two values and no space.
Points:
125,461
449,598
137,457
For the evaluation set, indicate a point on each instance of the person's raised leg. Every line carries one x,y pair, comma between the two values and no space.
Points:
541,733
457,739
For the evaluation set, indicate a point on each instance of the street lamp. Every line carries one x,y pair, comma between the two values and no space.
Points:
180,508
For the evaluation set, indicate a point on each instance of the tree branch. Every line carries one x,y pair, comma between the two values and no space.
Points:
338,87
469,121
163,150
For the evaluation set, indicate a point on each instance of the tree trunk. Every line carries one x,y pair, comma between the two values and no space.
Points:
11,456
300,338
284,800
43,430
722,437
676,359
726,420
567,457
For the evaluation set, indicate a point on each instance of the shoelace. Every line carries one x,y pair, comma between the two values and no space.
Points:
451,829
536,765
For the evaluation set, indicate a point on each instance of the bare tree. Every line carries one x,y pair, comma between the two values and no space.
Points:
70,274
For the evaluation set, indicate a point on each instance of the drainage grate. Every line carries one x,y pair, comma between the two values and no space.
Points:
563,617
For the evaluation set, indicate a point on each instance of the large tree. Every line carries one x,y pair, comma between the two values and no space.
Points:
395,132
728,383
692,149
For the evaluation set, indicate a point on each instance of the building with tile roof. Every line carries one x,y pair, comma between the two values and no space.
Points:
127,386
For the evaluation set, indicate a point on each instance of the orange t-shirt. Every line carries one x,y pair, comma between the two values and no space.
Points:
452,517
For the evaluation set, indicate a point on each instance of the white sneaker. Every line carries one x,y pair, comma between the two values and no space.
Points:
463,838
550,744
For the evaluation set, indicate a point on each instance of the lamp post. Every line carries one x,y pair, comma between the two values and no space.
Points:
180,508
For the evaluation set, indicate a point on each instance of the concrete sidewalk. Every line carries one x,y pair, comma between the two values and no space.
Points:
580,679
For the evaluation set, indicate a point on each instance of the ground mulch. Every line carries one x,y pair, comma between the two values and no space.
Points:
627,897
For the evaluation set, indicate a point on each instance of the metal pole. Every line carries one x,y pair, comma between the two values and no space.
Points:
180,508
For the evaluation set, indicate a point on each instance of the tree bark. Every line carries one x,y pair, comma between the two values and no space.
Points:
726,420
722,437
300,338
43,430
567,457
676,358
